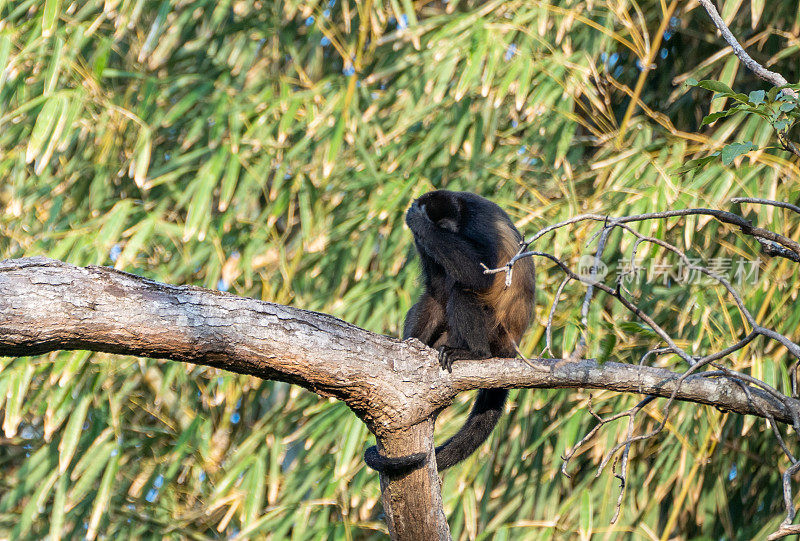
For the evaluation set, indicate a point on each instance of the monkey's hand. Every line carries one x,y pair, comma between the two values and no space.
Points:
417,218
445,360
448,355
424,229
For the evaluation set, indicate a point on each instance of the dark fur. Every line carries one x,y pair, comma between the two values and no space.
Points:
463,312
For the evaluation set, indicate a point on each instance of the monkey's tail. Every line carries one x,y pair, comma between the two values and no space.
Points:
393,465
480,423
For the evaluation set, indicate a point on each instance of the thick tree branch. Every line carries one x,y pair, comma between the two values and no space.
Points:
48,305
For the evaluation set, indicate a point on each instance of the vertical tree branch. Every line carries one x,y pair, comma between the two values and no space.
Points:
413,502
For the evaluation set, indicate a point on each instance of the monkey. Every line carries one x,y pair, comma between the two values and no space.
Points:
463,312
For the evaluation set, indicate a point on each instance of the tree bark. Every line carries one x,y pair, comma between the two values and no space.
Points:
413,501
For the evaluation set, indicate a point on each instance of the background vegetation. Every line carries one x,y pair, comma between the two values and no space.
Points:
270,149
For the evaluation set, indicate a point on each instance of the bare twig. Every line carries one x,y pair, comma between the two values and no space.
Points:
787,144
770,76
723,216
783,531
587,299
601,422
549,328
623,474
773,77
759,201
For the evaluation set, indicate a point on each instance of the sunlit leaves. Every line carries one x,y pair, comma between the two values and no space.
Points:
775,107
756,97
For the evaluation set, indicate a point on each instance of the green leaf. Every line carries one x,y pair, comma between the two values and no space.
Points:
713,117
716,86
607,344
586,514
58,509
256,479
103,497
773,93
410,12
141,161
335,142
61,117
114,223
54,67
15,399
198,212
45,122
781,125
756,10
741,98
756,97
229,181
72,433
635,327
101,57
691,165
5,52
34,507
50,17
732,151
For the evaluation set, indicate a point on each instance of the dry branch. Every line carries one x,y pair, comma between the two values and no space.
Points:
773,77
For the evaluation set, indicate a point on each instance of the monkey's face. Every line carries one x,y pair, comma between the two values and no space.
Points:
441,207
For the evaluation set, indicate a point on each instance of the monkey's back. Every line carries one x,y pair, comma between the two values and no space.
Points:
512,306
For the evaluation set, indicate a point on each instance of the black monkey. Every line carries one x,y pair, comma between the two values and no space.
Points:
464,313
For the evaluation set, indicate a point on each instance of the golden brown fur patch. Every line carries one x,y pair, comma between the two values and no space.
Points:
512,305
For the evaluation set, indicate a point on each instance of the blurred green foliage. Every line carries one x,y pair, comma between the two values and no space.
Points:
271,148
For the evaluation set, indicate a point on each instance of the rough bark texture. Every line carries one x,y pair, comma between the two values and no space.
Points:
395,387
775,78
47,305
413,502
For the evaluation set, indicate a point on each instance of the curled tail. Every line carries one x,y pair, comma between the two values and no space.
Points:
480,423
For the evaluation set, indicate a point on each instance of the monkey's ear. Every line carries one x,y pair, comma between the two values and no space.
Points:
441,204
442,209
450,224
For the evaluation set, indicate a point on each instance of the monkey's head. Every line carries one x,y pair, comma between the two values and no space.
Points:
464,213
442,207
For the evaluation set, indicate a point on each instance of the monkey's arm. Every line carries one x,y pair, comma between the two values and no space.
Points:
468,335
460,259
425,321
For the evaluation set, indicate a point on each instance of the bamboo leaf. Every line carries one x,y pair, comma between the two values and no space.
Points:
46,121
17,391
50,17
72,434
103,498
